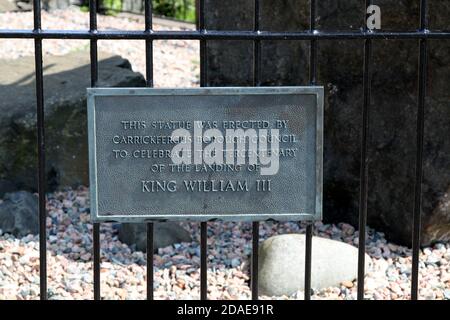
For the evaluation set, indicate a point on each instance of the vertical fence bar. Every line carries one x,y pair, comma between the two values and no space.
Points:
149,83
256,82
94,80
203,225
201,27
422,83
312,81
256,46
308,258
150,280
203,261
41,153
364,170
255,247
313,44
148,44
96,248
93,44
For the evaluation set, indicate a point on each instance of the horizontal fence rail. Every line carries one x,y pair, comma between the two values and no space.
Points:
219,35
256,35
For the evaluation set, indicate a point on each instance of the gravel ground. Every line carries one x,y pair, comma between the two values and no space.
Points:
176,62
177,267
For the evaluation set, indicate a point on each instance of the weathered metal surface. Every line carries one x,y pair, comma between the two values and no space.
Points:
134,178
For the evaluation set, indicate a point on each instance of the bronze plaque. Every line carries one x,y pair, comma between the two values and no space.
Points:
204,154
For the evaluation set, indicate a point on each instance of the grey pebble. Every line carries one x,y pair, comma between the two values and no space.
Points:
235,262
447,294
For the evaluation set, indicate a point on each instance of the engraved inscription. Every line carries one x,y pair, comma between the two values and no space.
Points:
217,149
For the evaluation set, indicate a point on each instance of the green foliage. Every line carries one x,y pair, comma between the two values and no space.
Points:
178,9
112,6
108,7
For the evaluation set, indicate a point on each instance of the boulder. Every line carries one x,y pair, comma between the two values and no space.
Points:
7,6
164,234
393,110
27,5
65,81
282,264
59,4
19,214
133,6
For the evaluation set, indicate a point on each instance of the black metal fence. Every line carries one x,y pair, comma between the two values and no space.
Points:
256,35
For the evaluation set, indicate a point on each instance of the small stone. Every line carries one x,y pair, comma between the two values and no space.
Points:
432,259
86,257
181,283
24,260
67,203
370,284
73,288
235,262
395,288
428,295
447,294
172,270
392,247
347,284
81,201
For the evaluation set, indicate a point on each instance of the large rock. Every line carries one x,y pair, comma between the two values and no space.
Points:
59,4
65,81
134,6
27,5
164,234
19,214
7,6
282,264
392,113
